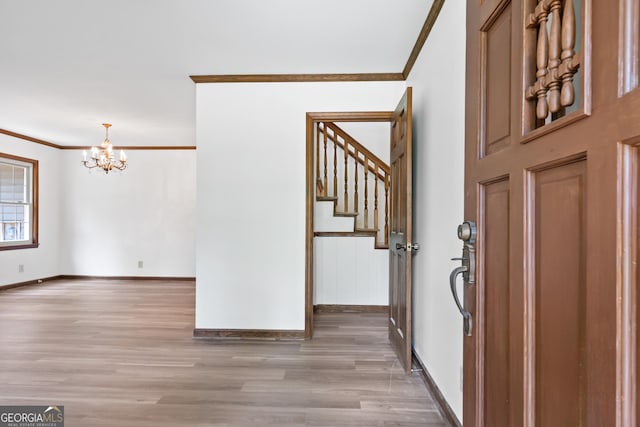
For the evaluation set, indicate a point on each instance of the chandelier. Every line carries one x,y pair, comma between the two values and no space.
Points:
104,157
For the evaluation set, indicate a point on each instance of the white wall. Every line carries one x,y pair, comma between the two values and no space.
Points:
43,261
438,81
250,253
324,220
146,213
97,224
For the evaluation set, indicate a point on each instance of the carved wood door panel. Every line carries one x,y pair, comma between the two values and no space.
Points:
400,232
551,175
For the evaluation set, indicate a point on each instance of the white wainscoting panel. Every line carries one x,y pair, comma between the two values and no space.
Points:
349,271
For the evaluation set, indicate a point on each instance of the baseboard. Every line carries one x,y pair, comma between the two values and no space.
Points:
261,334
78,277
83,277
442,404
28,282
340,308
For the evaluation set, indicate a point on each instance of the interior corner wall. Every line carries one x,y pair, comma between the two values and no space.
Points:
251,140
112,221
438,80
43,261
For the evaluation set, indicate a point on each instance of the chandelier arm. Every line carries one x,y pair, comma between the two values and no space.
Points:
86,162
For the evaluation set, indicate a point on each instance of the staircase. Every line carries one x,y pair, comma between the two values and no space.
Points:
355,181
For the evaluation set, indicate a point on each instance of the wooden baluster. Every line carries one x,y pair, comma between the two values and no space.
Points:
386,209
554,57
375,198
335,166
318,190
346,176
355,179
366,192
542,58
317,149
555,71
567,95
325,163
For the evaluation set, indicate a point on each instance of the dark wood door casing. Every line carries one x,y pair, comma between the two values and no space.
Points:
311,119
553,189
401,231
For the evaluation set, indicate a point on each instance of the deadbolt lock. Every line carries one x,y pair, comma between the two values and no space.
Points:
467,232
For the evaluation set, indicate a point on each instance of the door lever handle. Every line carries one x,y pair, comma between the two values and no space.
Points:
466,233
410,247
465,314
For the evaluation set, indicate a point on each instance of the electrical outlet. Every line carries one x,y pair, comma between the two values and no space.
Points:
140,264
20,268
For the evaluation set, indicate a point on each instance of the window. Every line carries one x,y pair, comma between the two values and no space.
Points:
18,202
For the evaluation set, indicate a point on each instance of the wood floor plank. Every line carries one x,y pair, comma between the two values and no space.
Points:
118,352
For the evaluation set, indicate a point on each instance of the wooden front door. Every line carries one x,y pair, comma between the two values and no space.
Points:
551,178
400,232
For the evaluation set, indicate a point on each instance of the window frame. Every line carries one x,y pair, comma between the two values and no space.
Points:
33,164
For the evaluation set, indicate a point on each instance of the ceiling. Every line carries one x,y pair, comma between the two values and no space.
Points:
70,65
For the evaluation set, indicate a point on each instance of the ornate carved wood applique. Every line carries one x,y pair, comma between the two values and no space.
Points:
556,59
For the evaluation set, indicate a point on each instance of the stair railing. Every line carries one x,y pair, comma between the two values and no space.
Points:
337,151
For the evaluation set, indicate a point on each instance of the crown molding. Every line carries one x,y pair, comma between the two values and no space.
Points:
306,78
281,78
422,37
292,78
30,139
134,147
75,147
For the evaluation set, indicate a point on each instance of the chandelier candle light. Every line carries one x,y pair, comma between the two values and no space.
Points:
103,157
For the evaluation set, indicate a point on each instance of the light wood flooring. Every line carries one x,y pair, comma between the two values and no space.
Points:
121,353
